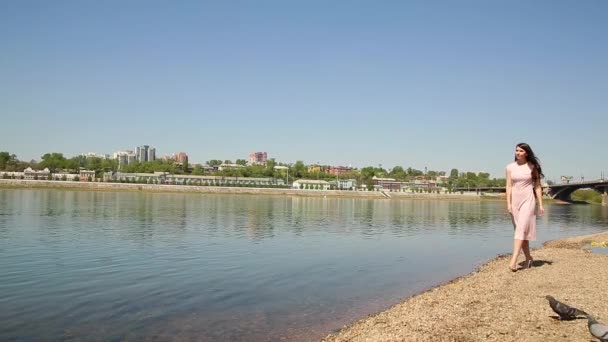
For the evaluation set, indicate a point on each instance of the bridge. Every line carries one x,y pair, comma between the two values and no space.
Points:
563,191
556,191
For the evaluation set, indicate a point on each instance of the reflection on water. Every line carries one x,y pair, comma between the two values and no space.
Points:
214,267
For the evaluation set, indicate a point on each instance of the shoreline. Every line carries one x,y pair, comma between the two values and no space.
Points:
165,188
494,304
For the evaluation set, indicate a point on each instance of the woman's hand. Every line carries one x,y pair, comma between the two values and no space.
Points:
509,209
541,210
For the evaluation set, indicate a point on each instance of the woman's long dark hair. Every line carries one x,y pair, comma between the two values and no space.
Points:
537,171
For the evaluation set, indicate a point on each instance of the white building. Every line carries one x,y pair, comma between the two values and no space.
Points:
36,174
85,175
65,176
166,178
96,155
11,175
345,184
125,157
225,166
311,184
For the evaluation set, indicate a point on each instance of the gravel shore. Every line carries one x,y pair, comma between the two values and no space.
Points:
495,304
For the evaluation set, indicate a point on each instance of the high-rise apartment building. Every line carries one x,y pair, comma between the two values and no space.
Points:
181,158
123,160
125,157
142,153
258,158
131,158
151,154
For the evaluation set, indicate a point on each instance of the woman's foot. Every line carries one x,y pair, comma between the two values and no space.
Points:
513,268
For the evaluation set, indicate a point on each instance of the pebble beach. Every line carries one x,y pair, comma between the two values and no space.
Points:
494,304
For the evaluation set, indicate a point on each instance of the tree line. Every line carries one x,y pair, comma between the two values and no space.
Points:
57,162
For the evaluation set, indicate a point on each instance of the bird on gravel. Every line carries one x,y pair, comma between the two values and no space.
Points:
597,329
564,311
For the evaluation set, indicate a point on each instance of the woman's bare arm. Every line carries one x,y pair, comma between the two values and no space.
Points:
538,190
508,190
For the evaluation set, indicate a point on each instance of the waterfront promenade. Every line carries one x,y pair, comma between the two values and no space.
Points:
494,304
103,186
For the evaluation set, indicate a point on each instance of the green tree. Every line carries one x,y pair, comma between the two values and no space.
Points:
368,172
197,170
270,164
398,173
9,162
483,175
241,162
95,164
270,171
413,172
53,161
108,165
587,195
483,179
471,177
72,164
369,184
299,169
454,174
5,158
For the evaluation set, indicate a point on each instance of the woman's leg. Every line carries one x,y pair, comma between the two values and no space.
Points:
526,248
517,244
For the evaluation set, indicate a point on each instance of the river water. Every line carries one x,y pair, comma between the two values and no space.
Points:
158,266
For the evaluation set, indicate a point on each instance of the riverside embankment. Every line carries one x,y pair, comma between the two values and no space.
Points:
102,186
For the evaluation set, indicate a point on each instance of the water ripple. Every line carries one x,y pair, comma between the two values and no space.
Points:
183,266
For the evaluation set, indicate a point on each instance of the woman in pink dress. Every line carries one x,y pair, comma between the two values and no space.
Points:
523,191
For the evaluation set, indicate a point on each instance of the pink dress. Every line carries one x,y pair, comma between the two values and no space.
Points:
523,202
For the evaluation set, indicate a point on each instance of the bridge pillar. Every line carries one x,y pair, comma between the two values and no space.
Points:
605,199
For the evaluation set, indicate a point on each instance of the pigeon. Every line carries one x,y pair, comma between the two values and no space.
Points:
597,329
564,311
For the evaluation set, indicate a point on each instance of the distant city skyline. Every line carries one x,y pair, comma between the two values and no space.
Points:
182,157
436,85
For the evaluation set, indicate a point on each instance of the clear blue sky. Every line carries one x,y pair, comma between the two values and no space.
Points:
437,84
